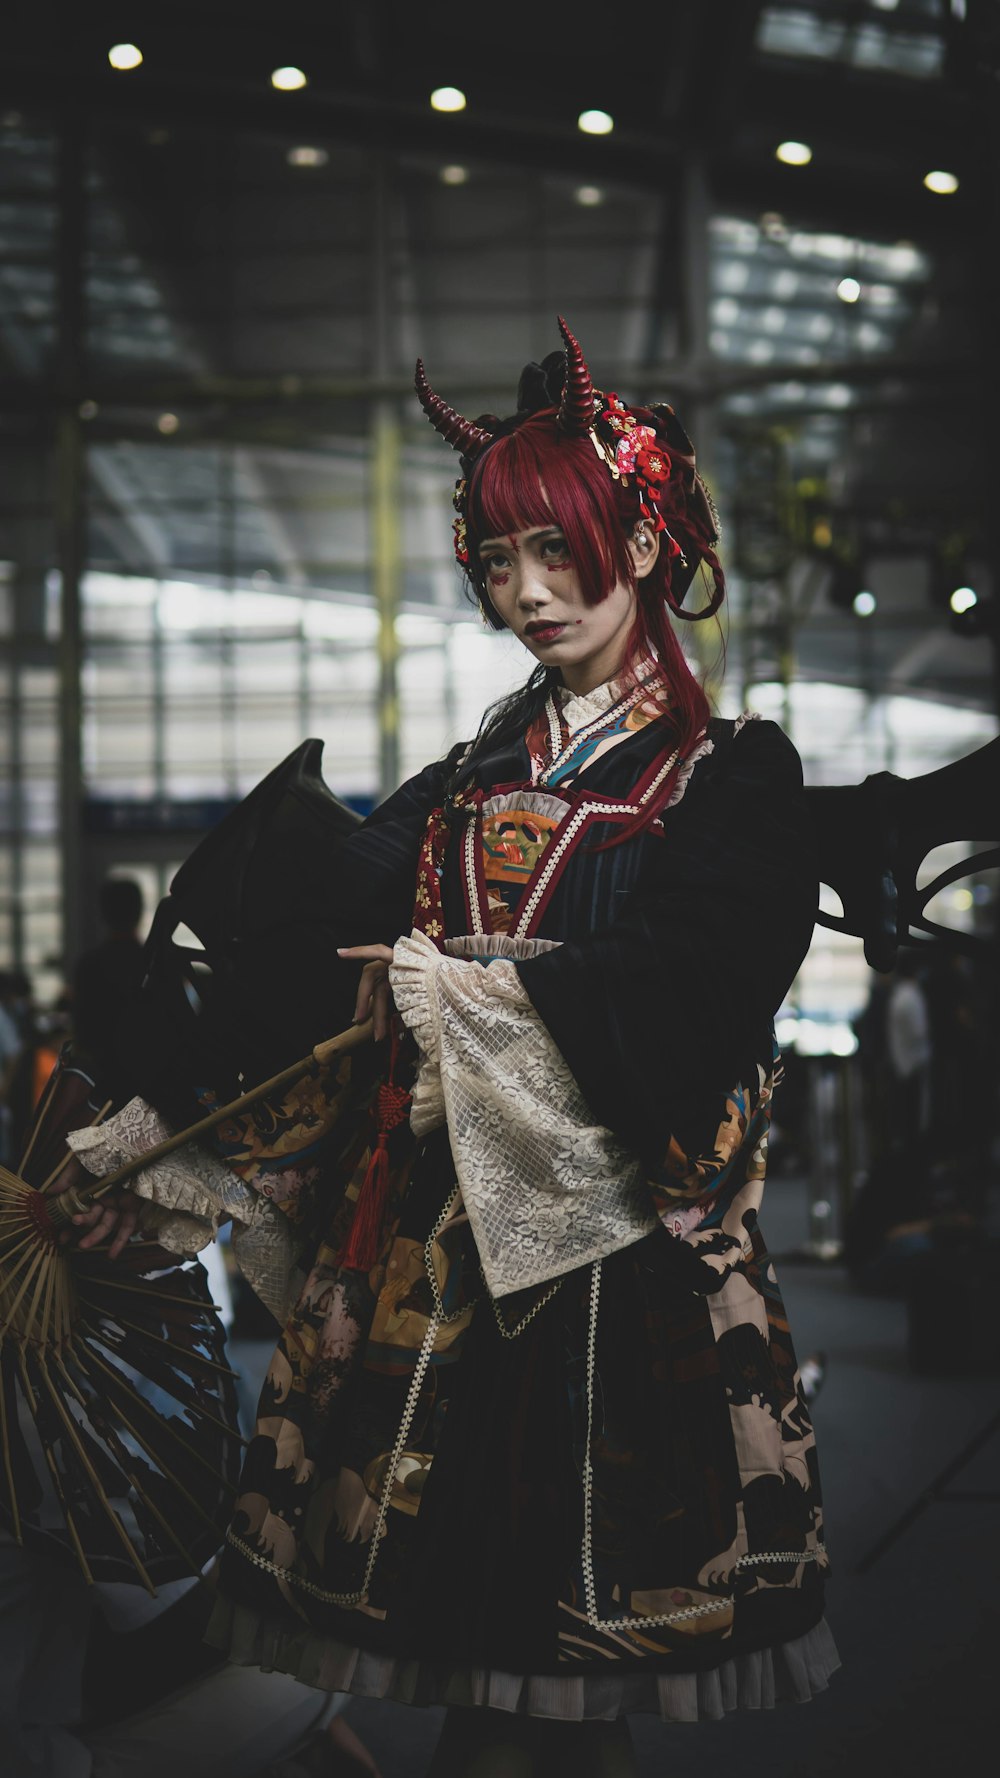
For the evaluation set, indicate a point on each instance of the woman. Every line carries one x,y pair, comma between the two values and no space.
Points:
532,1445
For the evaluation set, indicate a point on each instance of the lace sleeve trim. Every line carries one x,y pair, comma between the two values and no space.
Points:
546,1190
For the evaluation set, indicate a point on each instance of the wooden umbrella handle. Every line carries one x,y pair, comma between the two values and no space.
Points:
70,1203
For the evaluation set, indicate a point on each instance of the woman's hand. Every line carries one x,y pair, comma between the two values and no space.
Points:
374,992
115,1216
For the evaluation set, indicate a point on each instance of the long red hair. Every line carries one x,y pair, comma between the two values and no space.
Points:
537,476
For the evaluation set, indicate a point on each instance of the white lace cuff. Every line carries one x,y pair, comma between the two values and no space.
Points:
412,960
190,1190
546,1190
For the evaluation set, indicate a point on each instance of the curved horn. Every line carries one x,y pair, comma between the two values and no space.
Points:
461,434
576,410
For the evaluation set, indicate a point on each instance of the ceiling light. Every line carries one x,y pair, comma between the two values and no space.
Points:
793,154
863,604
167,423
963,599
447,98
848,290
454,175
307,157
124,56
595,123
941,183
288,80
588,196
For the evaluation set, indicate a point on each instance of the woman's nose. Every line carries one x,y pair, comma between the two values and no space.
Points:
534,588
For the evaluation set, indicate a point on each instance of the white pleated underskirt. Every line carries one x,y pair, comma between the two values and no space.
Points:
791,1672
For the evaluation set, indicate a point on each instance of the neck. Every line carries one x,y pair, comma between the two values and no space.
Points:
584,676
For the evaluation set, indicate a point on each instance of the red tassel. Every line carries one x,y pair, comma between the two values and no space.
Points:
392,1108
361,1248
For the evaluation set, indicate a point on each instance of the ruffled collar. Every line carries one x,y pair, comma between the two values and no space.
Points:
579,709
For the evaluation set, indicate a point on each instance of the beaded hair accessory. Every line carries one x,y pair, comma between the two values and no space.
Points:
644,447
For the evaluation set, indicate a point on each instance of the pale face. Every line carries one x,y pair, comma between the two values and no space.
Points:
533,587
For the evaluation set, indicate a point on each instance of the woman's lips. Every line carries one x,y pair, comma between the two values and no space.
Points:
544,632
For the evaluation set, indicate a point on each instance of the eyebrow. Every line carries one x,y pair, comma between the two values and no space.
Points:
530,536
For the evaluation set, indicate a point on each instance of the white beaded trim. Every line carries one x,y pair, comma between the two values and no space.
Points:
471,838
310,1587
589,1585
583,733
442,1319
555,731
509,1333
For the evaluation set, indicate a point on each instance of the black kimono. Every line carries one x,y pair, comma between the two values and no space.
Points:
598,1492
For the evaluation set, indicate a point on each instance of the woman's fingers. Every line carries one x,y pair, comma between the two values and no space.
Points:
374,996
115,1219
101,1221
381,1007
127,1225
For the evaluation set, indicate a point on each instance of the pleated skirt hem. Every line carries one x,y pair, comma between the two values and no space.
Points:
790,1672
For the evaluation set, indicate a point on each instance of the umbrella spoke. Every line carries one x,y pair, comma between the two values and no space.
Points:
67,1510
93,1477
155,1458
161,1339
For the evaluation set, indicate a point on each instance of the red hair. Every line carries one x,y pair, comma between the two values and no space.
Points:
535,475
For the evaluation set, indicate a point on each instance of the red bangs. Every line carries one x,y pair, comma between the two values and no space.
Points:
536,476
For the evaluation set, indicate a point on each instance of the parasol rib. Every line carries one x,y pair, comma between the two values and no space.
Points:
125,1462
92,1475
67,1510
225,1370
151,1452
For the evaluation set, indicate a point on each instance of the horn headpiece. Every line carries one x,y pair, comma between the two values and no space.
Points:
576,409
461,434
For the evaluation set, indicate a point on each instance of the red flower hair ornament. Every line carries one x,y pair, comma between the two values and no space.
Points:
644,448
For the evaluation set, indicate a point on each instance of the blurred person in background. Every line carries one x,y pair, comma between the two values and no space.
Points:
909,1051
13,990
106,980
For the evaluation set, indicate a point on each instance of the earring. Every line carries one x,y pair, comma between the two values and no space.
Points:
641,537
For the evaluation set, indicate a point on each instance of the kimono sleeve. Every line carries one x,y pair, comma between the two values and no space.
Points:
674,1001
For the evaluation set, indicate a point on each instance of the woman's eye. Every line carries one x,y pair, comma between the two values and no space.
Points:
555,549
497,565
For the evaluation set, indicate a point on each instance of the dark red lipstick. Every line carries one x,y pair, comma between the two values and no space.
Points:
540,632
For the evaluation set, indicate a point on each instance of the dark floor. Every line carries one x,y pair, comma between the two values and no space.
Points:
919,1634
